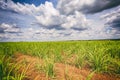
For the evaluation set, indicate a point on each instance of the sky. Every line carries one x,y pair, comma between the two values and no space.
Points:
56,20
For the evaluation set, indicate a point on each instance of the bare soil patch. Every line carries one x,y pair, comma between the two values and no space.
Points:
62,71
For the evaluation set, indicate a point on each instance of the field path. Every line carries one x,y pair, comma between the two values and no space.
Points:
62,71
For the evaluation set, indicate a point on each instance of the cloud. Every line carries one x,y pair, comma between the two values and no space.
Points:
112,15
70,6
49,17
100,5
7,28
9,32
86,6
2,4
67,21
76,21
52,18
112,19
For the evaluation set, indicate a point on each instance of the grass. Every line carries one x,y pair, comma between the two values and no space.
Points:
48,67
89,77
80,60
101,56
100,61
8,70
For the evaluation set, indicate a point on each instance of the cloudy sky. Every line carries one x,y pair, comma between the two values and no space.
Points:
51,20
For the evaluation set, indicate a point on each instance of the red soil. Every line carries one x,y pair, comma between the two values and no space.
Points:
62,71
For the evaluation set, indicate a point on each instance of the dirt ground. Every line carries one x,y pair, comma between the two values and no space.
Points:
62,71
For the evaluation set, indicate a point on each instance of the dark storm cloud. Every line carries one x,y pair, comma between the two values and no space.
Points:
100,5
115,24
68,7
112,20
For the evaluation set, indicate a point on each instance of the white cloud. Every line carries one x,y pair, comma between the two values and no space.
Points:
5,26
20,8
9,28
61,23
77,20
12,30
50,17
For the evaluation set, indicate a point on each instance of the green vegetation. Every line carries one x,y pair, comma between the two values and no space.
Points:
8,70
99,56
